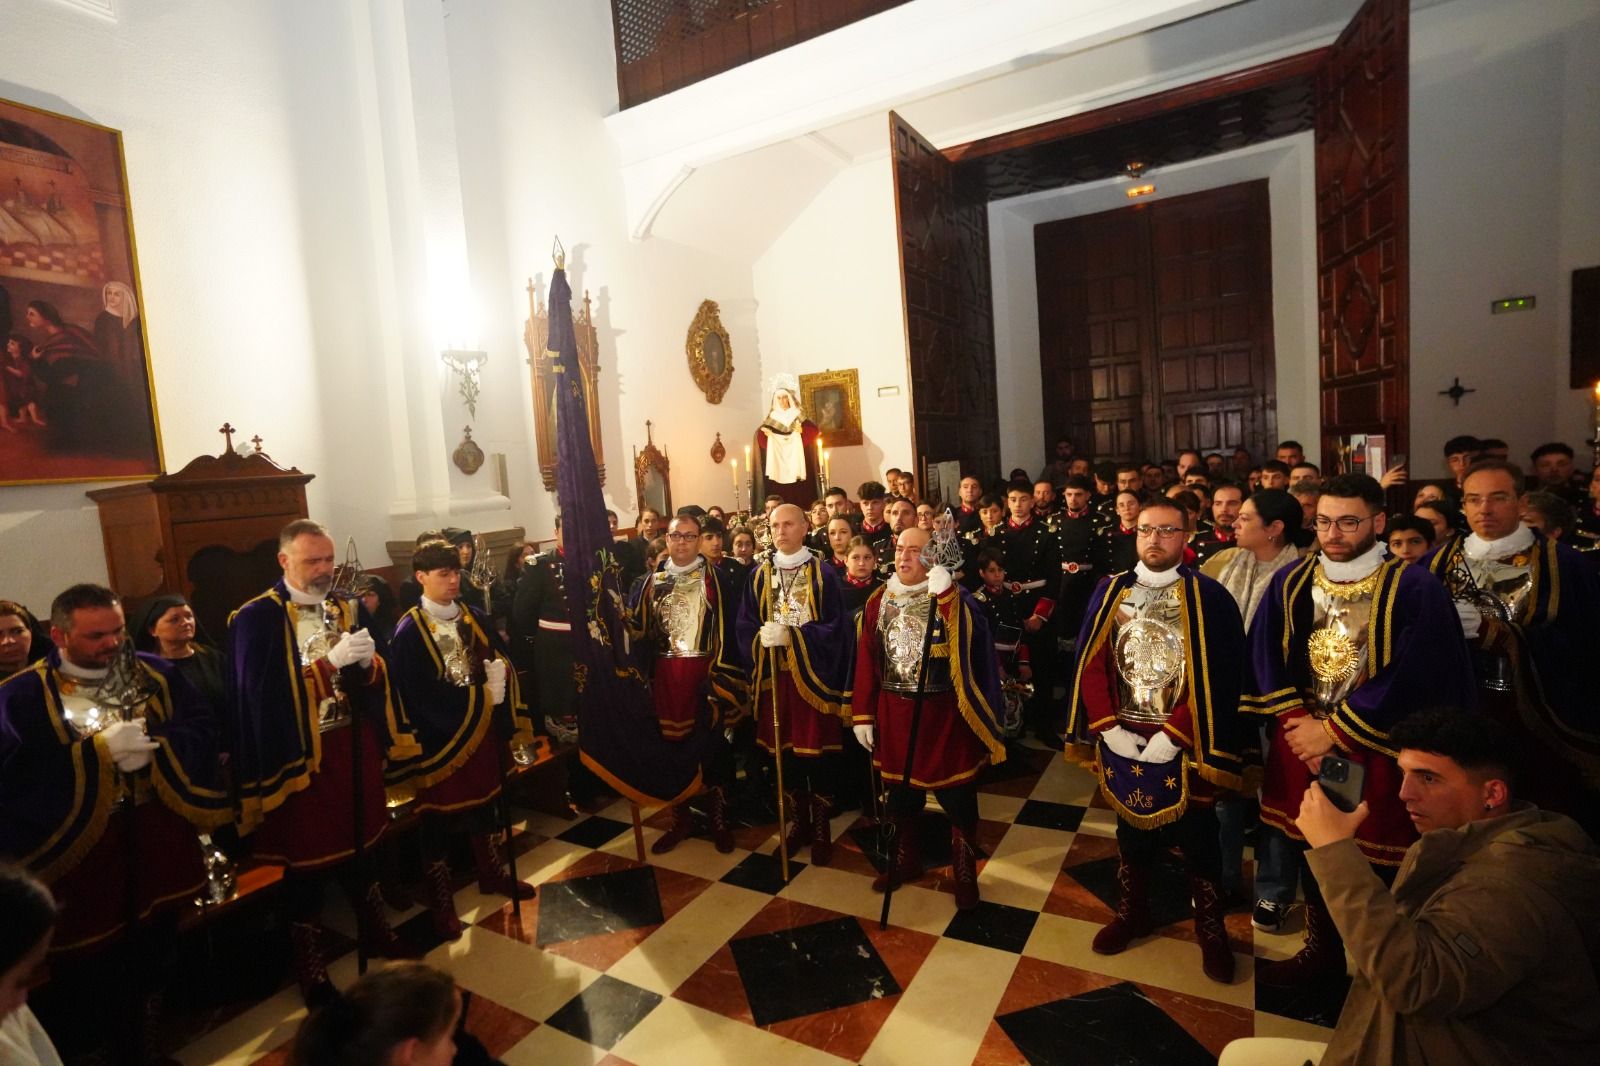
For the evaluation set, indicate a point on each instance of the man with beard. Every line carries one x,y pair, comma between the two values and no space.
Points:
1226,499
307,675
1155,703
793,626
1527,606
958,734
1343,646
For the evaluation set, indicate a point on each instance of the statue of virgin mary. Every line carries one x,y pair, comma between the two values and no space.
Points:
786,451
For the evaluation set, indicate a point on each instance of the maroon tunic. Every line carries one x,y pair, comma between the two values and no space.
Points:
472,784
116,879
678,689
806,731
316,826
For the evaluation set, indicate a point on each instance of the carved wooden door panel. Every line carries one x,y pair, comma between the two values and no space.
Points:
949,311
1211,260
1363,280
1095,333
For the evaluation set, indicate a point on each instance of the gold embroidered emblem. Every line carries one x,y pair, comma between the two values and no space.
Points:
1334,656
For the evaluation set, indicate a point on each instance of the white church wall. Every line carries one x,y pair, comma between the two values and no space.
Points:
531,84
247,190
1504,153
828,293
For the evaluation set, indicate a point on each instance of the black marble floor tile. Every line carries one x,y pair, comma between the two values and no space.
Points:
594,832
1169,886
605,1012
599,903
417,931
1317,1002
1020,762
933,842
813,968
1047,815
761,872
1115,1026
994,925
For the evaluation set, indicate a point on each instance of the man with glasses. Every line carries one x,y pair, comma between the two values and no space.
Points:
1528,610
1344,645
1155,701
683,621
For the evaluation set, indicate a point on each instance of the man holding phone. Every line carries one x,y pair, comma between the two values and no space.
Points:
1481,952
1344,645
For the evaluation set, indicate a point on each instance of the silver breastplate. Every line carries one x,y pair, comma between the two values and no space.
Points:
680,602
453,649
1508,580
85,711
1337,648
1147,646
791,596
902,633
317,628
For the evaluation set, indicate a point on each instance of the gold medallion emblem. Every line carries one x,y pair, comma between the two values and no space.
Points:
1334,656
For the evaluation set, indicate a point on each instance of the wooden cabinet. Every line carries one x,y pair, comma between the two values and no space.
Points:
208,532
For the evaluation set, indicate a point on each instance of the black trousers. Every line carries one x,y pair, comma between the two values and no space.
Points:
960,802
1194,835
818,774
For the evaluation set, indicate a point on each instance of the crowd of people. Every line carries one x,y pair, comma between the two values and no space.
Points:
1229,644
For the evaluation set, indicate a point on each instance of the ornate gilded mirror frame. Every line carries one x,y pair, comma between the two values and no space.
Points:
652,475
710,352
534,335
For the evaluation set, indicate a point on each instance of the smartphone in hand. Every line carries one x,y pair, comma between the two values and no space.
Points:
1342,782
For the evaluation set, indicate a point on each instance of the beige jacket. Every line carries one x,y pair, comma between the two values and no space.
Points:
1484,952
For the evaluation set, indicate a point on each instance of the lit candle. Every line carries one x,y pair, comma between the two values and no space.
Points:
827,466
734,465
748,468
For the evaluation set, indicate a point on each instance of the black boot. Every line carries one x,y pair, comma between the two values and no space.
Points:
1133,912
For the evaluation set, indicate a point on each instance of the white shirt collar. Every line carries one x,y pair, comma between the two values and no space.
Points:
443,612
302,599
83,673
1510,544
789,562
1357,568
673,568
1155,579
898,588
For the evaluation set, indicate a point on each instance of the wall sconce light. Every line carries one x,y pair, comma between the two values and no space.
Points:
466,364
1140,190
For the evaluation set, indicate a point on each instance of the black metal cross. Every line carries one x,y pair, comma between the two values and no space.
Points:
1456,391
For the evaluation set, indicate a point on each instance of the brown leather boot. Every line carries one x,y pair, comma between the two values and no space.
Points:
796,821
494,874
1133,912
821,831
682,825
442,900
907,863
377,936
964,865
717,811
308,965
1216,958
1322,955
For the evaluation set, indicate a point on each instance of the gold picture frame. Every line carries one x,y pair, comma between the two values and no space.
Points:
710,352
832,399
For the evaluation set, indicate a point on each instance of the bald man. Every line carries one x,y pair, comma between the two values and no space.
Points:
794,626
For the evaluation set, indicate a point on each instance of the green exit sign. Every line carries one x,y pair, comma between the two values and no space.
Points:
1512,303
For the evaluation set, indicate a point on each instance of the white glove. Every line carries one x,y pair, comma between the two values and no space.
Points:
1160,749
495,680
353,648
130,749
1125,742
774,635
1471,619
865,736
938,581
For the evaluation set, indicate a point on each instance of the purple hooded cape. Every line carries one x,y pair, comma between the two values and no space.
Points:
820,653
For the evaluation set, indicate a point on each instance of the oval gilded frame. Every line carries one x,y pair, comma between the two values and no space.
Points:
710,380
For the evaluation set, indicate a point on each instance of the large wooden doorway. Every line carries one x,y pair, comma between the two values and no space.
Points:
1155,326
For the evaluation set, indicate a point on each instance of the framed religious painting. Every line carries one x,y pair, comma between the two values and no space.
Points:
710,352
77,401
832,399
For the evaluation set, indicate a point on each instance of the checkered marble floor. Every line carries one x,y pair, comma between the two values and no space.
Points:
694,956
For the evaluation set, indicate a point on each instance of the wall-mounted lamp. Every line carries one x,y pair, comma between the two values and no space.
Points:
466,364
1140,190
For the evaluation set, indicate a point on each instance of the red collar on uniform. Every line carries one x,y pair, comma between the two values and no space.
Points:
1222,533
868,527
1012,523
1075,514
859,583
